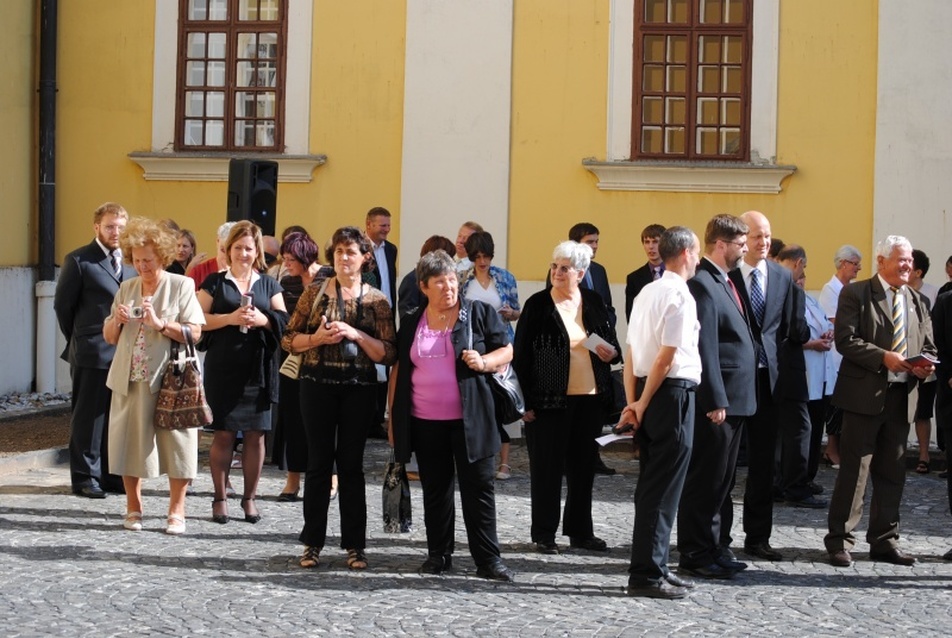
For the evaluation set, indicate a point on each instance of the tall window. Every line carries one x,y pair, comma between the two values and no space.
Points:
692,75
231,69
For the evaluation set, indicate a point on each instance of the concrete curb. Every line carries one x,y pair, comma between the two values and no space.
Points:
40,459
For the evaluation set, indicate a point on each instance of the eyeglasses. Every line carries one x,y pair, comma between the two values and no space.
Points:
561,269
738,243
852,263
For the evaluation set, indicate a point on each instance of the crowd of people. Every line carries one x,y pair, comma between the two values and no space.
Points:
727,361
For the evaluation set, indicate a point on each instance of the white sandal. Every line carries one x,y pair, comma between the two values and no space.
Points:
175,525
133,521
504,473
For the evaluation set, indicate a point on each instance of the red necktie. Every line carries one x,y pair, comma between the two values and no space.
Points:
730,282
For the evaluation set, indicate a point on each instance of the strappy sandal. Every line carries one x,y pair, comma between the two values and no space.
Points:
922,467
221,519
175,525
133,521
504,473
356,559
311,557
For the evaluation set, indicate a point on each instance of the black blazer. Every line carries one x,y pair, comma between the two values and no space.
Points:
779,322
84,292
726,346
541,350
390,250
479,415
792,366
637,279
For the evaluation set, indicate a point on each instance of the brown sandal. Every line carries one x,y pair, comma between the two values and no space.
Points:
356,559
311,557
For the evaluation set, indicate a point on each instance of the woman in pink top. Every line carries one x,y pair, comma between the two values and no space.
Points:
442,409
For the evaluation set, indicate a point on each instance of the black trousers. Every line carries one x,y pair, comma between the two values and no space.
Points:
817,410
562,442
89,429
335,421
794,423
440,448
761,448
666,437
290,440
707,489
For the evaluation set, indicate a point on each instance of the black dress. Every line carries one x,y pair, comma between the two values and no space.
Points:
240,370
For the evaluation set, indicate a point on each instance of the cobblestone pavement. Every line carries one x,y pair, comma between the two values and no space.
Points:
67,568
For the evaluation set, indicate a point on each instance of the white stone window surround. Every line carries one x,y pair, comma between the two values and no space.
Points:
760,175
165,164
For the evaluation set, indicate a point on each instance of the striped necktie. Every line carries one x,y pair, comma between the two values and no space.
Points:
898,322
758,305
116,266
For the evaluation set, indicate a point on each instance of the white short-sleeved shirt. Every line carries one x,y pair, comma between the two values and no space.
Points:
665,314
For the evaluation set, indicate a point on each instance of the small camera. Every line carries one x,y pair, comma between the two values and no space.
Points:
136,312
348,350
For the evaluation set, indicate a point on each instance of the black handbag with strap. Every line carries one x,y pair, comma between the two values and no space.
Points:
510,404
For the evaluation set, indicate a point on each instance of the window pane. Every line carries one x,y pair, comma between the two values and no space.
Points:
730,141
654,48
196,45
708,79
677,79
247,43
651,110
267,74
195,73
265,133
651,140
711,11
733,50
707,110
706,141
194,103
677,49
709,49
733,80
216,46
197,9
217,9
193,132
674,140
215,104
730,111
655,11
248,10
244,133
679,12
735,12
268,45
216,74
265,105
674,110
214,133
654,78
269,10
246,74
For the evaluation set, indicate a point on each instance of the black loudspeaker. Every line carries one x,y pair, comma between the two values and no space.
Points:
253,192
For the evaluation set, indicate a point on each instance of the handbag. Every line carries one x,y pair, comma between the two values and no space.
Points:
508,400
397,514
291,367
182,401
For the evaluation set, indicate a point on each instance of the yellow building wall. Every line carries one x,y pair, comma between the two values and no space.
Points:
17,161
106,66
826,120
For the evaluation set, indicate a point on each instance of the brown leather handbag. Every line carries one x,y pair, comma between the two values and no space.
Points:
182,401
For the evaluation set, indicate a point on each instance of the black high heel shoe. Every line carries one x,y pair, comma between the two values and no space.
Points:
251,518
221,519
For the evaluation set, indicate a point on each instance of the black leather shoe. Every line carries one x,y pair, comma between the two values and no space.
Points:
496,571
841,558
601,468
113,487
895,556
733,565
712,571
815,488
660,589
89,491
436,564
677,581
947,555
763,550
810,502
593,544
547,547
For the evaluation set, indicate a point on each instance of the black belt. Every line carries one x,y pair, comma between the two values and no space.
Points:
687,384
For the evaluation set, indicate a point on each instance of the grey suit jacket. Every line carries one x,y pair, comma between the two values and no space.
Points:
863,333
84,293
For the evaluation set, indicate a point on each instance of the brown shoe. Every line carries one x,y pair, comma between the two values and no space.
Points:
894,556
841,558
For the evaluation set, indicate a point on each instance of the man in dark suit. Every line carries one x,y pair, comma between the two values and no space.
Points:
726,396
793,479
766,289
87,284
638,279
385,253
879,323
942,333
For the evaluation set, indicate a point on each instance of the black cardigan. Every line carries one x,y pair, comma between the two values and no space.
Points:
541,350
479,419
